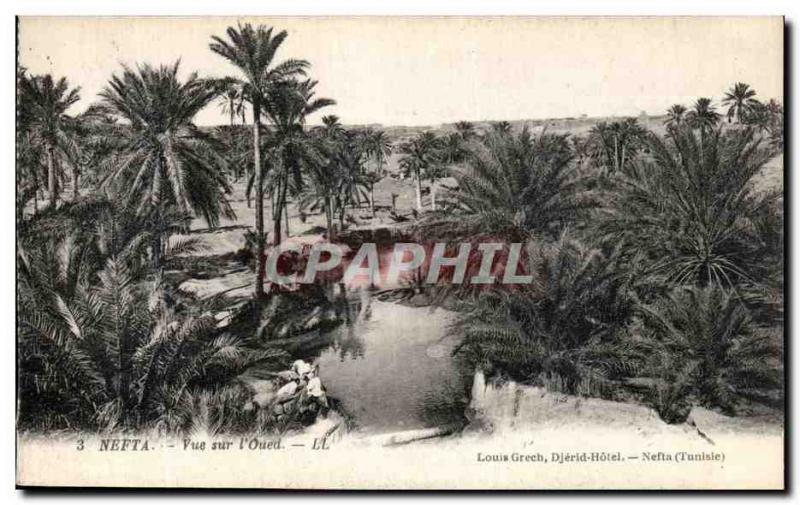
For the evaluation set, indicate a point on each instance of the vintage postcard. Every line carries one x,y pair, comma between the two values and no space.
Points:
400,253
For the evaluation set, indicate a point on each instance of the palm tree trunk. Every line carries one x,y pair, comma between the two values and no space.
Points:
249,187
329,217
259,175
285,202
276,226
372,198
51,177
702,144
276,217
230,135
329,221
286,217
433,194
418,188
616,153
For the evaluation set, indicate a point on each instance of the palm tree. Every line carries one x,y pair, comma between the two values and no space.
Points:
707,350
466,130
341,180
703,116
322,178
584,150
163,160
775,124
689,213
43,104
351,158
31,171
501,127
419,155
252,51
767,117
774,107
739,99
378,147
453,149
114,354
675,115
627,134
88,146
617,140
230,101
287,105
515,185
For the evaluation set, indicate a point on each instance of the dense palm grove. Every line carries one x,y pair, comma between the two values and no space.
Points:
658,267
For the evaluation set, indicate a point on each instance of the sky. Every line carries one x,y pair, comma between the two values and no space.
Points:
428,71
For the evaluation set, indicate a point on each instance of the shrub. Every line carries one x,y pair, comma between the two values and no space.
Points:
567,330
705,350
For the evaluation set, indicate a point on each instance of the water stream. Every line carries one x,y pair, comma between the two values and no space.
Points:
392,368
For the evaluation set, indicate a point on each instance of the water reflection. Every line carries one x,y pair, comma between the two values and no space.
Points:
392,367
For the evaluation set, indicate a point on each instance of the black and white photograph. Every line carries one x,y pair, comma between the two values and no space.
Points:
400,252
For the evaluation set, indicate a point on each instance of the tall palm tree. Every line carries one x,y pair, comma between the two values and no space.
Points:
616,140
252,51
378,147
323,177
350,157
42,107
164,161
31,172
453,149
466,130
739,99
419,155
774,129
703,116
332,126
287,105
231,102
774,107
675,115
342,178
766,117
627,135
